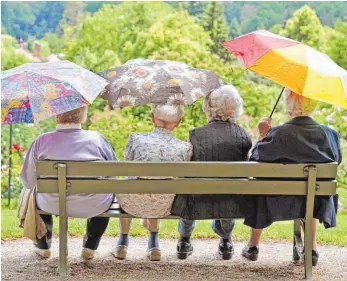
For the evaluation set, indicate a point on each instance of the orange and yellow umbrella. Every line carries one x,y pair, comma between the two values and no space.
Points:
292,64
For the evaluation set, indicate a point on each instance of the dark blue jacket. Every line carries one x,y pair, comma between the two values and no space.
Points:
301,140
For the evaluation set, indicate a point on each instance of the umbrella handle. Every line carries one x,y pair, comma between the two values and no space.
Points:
276,102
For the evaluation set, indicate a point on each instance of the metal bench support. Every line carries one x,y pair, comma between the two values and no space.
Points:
311,189
62,220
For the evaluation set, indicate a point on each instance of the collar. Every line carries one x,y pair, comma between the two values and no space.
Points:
302,120
68,126
162,131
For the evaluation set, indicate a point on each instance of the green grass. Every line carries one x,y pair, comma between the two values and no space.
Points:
168,229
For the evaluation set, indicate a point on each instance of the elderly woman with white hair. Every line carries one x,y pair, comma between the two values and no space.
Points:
159,145
300,140
222,139
70,142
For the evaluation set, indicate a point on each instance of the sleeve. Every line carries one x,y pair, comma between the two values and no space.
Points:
189,152
339,153
334,142
28,171
108,153
247,146
129,149
337,147
190,137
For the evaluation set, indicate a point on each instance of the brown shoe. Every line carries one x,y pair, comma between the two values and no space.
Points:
154,254
120,252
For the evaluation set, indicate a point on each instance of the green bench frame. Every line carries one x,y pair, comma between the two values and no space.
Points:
190,178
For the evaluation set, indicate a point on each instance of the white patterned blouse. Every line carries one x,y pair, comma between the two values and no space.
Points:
159,145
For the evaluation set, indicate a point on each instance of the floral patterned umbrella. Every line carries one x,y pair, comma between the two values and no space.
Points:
142,81
35,91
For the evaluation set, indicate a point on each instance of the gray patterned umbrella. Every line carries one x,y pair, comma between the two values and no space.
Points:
142,81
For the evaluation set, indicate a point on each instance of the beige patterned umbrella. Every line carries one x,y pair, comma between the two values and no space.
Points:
142,81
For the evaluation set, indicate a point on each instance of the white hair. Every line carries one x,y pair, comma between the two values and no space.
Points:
168,113
225,104
298,105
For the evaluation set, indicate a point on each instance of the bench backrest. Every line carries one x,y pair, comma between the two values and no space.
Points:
190,177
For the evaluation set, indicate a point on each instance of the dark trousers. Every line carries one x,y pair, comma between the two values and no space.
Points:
95,229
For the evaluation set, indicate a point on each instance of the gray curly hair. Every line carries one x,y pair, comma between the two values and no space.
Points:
168,113
224,103
76,116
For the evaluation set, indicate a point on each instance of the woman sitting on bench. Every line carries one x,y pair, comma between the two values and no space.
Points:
159,145
70,142
300,140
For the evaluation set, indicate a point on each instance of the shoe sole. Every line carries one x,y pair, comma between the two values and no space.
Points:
185,255
120,256
226,256
120,253
251,257
154,257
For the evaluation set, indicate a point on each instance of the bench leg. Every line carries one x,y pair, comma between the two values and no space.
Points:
62,220
311,189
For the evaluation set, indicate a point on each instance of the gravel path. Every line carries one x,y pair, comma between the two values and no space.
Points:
18,262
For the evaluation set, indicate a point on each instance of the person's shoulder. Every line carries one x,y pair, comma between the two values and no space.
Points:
238,126
137,135
280,128
92,134
45,136
200,130
328,129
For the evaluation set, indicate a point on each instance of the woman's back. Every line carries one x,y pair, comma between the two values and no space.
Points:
72,144
159,145
220,141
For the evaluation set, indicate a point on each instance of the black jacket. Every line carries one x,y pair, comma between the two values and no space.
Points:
216,141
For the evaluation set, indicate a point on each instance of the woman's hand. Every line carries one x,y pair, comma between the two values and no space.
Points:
264,126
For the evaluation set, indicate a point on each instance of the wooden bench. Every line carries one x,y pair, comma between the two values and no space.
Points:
66,177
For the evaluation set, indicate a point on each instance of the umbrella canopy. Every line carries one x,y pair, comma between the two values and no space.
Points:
142,81
293,65
36,91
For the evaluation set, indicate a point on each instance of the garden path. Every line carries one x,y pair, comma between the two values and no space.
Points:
18,262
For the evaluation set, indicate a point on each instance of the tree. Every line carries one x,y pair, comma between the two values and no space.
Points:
54,42
337,44
305,27
22,19
214,23
235,29
70,26
9,56
104,35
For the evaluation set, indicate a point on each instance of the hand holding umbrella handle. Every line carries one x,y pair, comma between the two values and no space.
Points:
273,110
264,126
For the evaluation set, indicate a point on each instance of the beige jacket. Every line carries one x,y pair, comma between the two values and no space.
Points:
29,218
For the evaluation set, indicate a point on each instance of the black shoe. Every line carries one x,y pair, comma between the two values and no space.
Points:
250,252
226,249
184,248
315,257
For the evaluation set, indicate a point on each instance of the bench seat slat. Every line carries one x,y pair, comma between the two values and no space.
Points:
187,186
185,169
